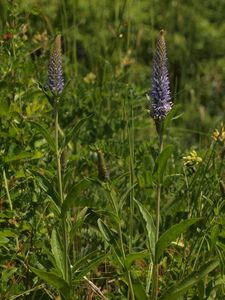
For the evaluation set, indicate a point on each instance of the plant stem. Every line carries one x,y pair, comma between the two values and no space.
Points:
131,181
10,202
158,192
59,172
59,175
114,204
158,200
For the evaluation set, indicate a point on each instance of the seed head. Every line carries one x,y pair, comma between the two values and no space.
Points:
55,72
160,94
103,174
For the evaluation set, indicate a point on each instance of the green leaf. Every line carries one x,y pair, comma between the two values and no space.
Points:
57,252
106,232
181,287
4,106
82,215
51,278
7,275
150,227
3,241
171,116
125,195
7,233
172,234
23,155
91,264
201,290
72,198
131,257
83,260
139,291
111,240
45,133
214,236
48,187
74,130
161,162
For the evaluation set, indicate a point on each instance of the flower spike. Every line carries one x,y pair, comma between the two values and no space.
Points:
55,71
160,94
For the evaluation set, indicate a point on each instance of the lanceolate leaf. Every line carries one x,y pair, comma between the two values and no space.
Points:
181,287
106,232
161,162
24,155
83,260
139,291
125,195
57,252
82,215
7,233
111,240
171,115
72,198
172,234
92,264
51,278
48,187
45,133
150,227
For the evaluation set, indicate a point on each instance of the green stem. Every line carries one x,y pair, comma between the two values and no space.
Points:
158,193
114,204
59,175
10,201
158,200
131,150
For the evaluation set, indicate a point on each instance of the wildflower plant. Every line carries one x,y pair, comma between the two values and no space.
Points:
160,106
60,234
63,272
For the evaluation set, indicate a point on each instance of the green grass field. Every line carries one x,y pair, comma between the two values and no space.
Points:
84,172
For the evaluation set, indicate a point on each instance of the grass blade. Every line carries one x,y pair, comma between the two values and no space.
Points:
181,287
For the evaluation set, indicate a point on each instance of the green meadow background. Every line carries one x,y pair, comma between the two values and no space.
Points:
107,52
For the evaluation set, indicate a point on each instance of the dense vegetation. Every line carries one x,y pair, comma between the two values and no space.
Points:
81,172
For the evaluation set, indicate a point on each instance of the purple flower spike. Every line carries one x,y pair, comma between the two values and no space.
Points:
160,95
55,72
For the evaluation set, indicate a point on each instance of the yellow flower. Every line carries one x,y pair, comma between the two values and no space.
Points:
219,135
90,78
192,159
